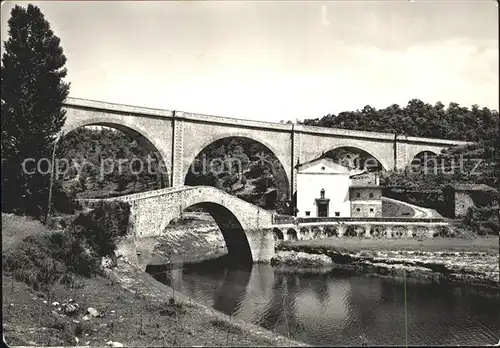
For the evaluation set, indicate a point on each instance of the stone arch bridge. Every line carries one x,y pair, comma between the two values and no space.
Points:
178,137
247,229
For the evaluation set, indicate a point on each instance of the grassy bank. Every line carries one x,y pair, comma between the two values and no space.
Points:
489,245
132,308
16,228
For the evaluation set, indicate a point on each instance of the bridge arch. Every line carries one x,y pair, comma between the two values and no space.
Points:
278,235
232,230
244,226
133,130
291,234
280,161
357,146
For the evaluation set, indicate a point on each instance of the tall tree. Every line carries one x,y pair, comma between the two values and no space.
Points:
32,93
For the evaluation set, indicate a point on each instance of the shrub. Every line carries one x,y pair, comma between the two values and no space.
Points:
101,226
484,231
485,228
350,232
82,328
41,260
32,262
61,200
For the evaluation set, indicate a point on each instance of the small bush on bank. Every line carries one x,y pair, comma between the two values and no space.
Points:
32,262
487,228
40,261
101,226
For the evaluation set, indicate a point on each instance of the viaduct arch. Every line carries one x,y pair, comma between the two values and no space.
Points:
277,163
378,156
422,154
135,130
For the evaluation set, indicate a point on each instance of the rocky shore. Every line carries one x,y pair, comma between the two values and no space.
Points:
301,262
189,243
476,268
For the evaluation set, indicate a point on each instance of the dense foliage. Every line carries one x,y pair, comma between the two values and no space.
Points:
471,164
420,119
103,162
32,93
242,167
100,228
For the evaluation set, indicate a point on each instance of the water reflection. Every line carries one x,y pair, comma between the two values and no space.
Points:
341,308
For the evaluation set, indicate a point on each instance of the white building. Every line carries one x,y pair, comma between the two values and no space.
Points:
323,189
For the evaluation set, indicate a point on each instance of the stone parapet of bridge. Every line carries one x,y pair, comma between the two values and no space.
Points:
139,111
245,227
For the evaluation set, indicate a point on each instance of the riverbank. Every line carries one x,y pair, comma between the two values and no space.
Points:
126,307
472,262
133,316
188,242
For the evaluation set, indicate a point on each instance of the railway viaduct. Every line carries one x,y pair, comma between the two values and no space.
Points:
177,137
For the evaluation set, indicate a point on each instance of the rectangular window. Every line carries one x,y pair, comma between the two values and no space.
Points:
337,213
371,195
358,194
357,209
371,210
308,213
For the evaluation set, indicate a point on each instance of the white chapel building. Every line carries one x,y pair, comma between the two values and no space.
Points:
323,188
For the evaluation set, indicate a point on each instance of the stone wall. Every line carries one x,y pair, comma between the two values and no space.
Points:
463,201
392,230
361,209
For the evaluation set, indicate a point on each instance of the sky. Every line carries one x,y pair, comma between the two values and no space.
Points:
272,61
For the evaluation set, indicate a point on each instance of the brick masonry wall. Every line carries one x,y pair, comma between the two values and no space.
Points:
364,209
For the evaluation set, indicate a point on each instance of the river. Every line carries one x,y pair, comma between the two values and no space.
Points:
342,308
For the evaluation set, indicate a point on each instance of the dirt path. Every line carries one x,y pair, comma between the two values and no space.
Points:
420,212
16,228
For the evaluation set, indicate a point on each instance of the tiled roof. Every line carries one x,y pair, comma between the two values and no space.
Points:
365,186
